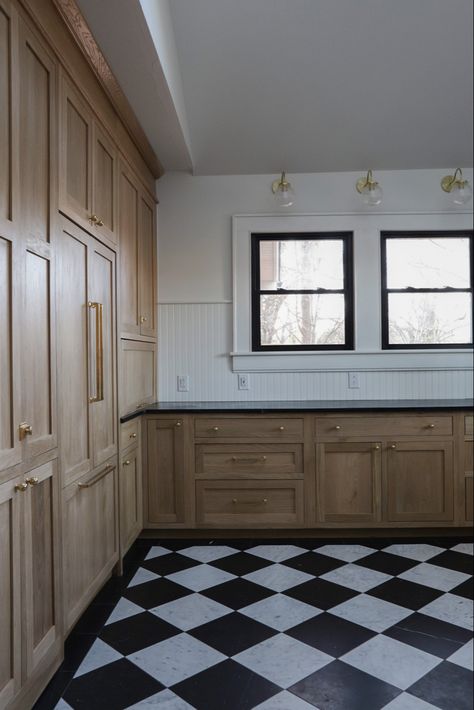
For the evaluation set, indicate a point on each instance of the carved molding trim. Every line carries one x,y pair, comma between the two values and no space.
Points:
81,33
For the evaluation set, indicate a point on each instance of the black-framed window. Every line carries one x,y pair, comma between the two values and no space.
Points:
427,289
302,291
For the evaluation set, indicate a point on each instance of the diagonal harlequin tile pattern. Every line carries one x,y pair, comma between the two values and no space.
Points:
384,625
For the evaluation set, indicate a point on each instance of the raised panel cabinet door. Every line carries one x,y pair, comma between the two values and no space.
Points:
10,310
42,609
165,471
131,498
72,351
129,263
349,482
10,591
147,267
8,117
419,481
75,156
104,185
102,348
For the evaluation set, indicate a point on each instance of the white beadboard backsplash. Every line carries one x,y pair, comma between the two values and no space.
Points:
195,339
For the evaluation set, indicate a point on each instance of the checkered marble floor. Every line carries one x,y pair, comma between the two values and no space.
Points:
277,626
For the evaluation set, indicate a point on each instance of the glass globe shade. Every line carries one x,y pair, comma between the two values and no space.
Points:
461,193
285,196
372,194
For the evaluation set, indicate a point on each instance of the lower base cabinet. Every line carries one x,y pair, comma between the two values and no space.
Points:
90,538
165,471
131,498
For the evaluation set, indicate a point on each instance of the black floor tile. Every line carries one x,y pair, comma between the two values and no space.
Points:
447,687
168,564
404,593
93,619
232,633
338,686
114,686
75,649
320,593
454,560
313,563
430,635
241,563
387,563
137,632
237,593
330,634
112,590
465,589
54,691
158,591
227,685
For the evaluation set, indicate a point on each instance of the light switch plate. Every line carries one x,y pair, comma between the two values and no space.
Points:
243,381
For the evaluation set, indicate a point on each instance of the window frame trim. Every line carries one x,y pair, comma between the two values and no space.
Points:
385,291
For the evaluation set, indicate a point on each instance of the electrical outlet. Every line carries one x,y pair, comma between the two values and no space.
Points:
243,382
183,383
354,380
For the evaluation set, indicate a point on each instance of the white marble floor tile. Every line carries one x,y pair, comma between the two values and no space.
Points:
208,553
157,551
285,701
201,577
434,576
62,705
100,654
370,612
391,661
451,608
463,656
165,700
191,611
283,660
359,578
405,701
276,553
175,659
466,547
280,612
420,552
141,576
123,610
278,577
347,553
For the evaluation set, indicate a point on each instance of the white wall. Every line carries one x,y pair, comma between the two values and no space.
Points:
195,282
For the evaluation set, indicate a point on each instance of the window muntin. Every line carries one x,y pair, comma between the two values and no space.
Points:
302,291
426,290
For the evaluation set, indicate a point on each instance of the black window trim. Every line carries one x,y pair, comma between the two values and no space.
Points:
385,291
348,289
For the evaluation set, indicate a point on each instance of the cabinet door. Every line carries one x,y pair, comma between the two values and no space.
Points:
10,592
419,481
90,539
8,117
104,185
131,498
128,234
101,297
165,471
72,351
41,610
137,375
147,269
349,481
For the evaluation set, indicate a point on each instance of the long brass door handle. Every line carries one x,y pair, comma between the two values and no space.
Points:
99,351
96,479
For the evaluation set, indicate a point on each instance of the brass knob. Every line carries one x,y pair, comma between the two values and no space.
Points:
265,500
99,223
143,319
234,500
393,446
133,436
178,423
377,447
337,427
216,428
281,428
127,462
25,429
33,481
93,219
21,487
431,426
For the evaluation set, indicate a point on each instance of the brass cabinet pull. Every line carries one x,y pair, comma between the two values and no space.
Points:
33,481
178,423
281,428
143,319
127,462
99,223
99,351
377,447
216,428
234,500
21,487
237,459
93,219
265,500
393,446
133,436
431,426
25,429
96,479
338,427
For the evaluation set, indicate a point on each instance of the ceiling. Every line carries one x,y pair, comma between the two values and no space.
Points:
254,86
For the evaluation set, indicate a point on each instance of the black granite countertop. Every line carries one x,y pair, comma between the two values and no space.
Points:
367,405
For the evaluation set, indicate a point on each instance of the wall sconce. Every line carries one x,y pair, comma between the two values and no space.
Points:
369,189
283,191
458,188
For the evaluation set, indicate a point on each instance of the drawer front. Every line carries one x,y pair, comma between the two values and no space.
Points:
469,425
342,427
249,504
129,433
277,428
249,460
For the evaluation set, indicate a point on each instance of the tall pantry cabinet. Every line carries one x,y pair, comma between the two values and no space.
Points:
68,508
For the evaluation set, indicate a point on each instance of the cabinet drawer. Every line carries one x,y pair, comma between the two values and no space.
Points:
342,427
469,425
244,460
277,428
249,503
129,433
